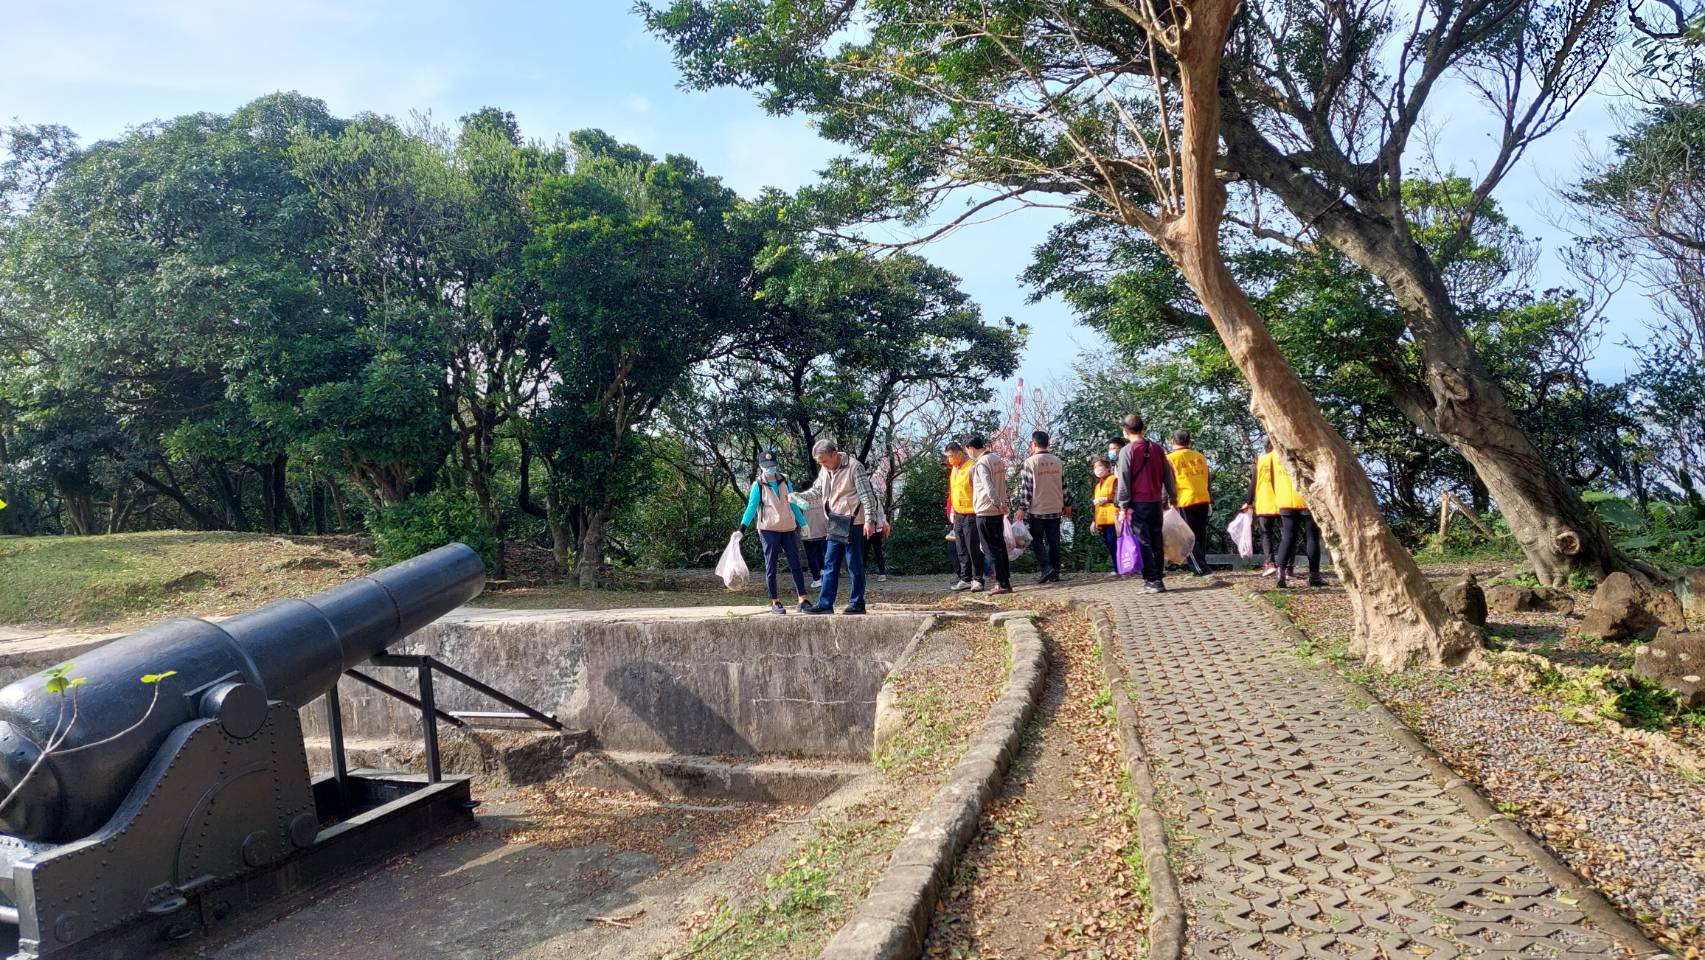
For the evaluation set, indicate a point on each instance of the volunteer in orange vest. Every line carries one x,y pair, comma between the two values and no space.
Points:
1195,502
962,510
1265,503
1043,498
1106,511
1298,525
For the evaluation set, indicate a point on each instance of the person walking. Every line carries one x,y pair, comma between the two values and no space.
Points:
779,521
962,512
1106,510
1043,501
849,500
1145,488
1263,500
1298,526
988,498
1195,498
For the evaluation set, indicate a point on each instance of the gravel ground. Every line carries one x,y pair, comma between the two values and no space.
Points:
1614,811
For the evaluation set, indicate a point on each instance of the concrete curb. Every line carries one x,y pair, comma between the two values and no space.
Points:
895,918
1587,898
1166,905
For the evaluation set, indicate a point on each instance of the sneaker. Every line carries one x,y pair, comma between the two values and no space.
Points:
1041,578
1282,583
817,584
1317,581
998,591
818,611
1153,586
1111,575
882,578
976,586
805,608
777,608
961,585
1266,571
853,611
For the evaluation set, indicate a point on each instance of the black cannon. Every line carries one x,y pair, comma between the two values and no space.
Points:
160,809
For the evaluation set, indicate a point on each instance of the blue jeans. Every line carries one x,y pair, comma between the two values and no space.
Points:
850,555
775,546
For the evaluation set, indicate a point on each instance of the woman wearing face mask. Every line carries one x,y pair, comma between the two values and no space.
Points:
778,521
1107,511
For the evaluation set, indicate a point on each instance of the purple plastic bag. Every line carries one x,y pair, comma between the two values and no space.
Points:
1130,555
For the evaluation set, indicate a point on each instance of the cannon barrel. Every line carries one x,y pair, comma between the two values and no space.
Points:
287,650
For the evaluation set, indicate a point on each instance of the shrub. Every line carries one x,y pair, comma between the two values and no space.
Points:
430,521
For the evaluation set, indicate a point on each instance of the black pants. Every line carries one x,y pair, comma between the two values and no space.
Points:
1046,543
992,531
1299,524
1196,516
1110,539
775,546
1269,528
1146,520
969,544
873,552
814,556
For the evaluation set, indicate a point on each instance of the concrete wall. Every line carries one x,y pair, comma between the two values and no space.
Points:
671,682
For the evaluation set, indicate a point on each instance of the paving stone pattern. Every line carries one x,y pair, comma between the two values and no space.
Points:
1307,831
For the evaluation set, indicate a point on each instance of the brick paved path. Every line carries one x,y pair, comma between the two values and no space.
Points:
1306,831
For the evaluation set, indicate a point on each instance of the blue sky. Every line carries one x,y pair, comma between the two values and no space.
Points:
565,65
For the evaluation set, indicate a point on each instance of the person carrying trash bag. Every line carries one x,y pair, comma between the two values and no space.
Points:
1145,488
1298,525
1263,503
778,520
988,493
1106,511
1195,500
962,513
1042,501
849,498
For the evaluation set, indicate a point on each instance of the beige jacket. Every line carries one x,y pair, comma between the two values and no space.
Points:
988,485
845,491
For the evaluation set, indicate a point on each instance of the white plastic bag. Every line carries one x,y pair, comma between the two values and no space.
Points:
1178,536
1017,538
1242,530
732,567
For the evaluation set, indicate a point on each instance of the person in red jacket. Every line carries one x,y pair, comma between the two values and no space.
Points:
1145,487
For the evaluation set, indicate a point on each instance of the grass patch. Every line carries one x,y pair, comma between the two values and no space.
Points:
1279,599
808,897
128,579
1630,700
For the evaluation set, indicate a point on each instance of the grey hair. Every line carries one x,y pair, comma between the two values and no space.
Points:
824,447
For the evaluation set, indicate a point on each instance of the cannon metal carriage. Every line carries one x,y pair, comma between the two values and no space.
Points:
171,808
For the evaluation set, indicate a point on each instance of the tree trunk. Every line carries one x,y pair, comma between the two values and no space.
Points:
1399,618
592,546
231,498
79,514
281,494
562,535
201,518
1460,403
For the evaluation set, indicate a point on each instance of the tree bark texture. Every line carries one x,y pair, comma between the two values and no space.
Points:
1460,403
1400,619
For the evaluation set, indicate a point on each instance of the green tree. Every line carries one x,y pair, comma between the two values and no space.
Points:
644,268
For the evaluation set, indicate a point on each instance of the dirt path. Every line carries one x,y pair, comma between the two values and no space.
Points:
1055,870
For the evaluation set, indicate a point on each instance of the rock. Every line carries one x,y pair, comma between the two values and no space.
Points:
1621,609
1675,659
1691,587
1466,600
1515,598
1550,598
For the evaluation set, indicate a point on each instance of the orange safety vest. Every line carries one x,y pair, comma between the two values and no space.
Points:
1190,476
1107,514
1285,495
959,487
